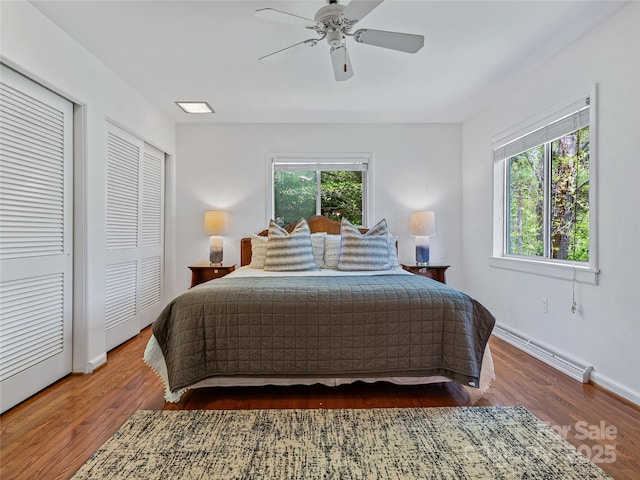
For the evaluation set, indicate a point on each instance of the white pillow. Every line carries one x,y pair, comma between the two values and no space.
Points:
258,251
364,251
331,251
393,251
317,243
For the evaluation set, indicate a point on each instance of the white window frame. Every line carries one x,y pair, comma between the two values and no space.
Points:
339,160
583,272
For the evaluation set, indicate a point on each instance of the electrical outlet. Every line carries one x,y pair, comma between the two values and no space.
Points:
443,254
544,305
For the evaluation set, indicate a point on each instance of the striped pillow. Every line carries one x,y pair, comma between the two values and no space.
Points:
289,252
364,251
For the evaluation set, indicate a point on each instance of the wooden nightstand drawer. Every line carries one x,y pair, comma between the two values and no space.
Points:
204,273
430,271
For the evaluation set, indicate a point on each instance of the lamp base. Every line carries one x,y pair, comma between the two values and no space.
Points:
422,251
215,250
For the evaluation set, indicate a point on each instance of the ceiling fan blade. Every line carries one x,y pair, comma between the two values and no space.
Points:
288,51
341,63
358,9
283,17
404,42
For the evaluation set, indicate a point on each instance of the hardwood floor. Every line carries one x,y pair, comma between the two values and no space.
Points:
53,433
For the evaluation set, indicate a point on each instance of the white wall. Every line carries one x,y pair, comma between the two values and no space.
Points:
33,45
225,166
606,331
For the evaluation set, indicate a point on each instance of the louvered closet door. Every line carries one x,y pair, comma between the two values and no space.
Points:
151,235
35,237
134,235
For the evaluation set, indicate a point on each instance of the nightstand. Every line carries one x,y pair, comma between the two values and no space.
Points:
430,271
206,272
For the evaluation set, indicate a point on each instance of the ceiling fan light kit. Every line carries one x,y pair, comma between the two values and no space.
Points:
333,22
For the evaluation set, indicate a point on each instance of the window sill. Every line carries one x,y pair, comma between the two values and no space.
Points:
562,271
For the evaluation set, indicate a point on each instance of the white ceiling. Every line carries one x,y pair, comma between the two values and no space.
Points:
208,50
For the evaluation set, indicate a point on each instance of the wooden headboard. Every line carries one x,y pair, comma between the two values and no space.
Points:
317,224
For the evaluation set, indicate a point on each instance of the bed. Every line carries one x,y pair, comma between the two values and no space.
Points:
277,320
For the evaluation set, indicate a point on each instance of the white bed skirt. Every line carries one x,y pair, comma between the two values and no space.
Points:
155,359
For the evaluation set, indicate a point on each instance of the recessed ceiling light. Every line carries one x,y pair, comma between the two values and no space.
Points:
195,107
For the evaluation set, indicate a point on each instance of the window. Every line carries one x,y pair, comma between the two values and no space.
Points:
544,190
333,187
548,199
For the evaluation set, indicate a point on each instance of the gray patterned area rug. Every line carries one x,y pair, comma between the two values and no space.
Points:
399,443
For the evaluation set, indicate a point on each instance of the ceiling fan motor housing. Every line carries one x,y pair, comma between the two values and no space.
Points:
329,12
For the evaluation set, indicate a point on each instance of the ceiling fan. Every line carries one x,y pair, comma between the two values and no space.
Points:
334,22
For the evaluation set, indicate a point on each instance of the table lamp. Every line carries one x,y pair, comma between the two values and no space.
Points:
423,226
215,225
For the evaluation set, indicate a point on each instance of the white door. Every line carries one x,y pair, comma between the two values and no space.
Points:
36,162
151,235
134,235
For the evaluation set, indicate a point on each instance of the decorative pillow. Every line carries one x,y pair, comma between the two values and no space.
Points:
317,243
258,251
289,252
331,251
364,251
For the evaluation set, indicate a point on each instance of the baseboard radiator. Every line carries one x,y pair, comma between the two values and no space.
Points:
580,372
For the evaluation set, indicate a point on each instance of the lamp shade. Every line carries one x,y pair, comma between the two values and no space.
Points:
423,224
215,222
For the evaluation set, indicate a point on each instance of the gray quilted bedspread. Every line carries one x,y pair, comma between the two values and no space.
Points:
315,326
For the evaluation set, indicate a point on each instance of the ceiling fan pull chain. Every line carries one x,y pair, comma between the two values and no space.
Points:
345,59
